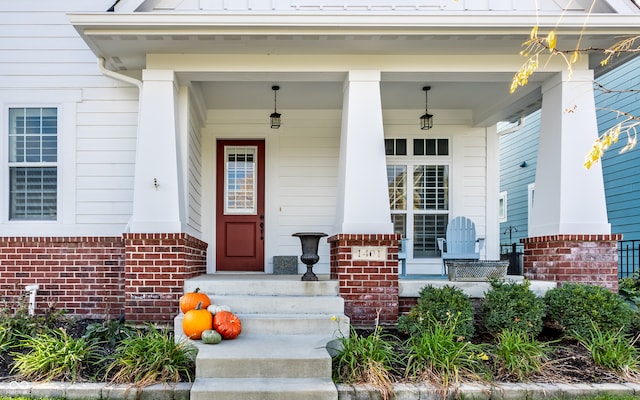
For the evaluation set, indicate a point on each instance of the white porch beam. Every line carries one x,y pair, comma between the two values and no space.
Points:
156,198
363,197
568,198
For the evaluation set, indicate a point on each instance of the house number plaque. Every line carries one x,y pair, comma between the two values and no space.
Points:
369,253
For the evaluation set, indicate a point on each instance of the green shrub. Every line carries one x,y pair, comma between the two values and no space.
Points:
440,356
629,290
439,304
576,306
512,306
152,356
55,355
519,355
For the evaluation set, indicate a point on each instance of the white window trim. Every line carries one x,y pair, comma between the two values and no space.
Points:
502,207
531,190
66,103
410,161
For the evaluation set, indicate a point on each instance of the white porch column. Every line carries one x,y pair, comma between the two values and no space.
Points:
156,199
568,199
363,197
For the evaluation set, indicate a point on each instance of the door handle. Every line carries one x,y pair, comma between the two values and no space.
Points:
261,228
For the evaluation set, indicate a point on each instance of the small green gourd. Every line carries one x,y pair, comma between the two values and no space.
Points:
211,336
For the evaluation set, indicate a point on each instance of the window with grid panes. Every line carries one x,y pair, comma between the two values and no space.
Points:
33,169
419,192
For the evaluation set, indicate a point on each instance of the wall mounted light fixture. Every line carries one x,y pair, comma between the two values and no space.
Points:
426,120
274,118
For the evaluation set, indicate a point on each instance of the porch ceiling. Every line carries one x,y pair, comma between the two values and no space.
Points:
125,40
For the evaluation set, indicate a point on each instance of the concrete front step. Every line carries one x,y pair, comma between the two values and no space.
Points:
294,324
282,350
261,285
265,356
286,324
263,389
285,304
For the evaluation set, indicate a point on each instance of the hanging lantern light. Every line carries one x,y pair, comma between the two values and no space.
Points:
274,118
426,120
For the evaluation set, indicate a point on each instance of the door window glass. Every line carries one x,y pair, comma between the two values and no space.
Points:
240,180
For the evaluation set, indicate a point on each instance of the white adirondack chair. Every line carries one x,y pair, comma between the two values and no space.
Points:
461,242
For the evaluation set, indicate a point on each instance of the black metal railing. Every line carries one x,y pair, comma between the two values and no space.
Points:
513,252
628,257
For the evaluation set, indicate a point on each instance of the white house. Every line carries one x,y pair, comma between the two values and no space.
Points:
138,149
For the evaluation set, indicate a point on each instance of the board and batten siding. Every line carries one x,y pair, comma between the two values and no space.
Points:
192,156
308,157
516,148
42,61
620,171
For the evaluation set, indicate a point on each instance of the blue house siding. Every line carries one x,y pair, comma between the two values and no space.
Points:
620,171
517,148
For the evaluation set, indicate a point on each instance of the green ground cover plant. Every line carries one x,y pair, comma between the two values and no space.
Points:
55,346
519,355
441,356
54,355
613,350
368,358
150,356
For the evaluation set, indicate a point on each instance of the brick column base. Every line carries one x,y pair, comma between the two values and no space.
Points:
366,266
156,267
591,259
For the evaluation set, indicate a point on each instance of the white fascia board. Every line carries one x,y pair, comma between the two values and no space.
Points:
313,24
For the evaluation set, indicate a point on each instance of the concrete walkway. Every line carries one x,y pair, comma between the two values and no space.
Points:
403,391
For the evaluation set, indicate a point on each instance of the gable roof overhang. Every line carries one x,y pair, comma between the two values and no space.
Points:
469,59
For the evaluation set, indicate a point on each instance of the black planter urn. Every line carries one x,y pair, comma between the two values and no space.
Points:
309,241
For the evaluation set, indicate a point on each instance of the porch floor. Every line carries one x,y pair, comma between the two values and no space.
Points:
408,285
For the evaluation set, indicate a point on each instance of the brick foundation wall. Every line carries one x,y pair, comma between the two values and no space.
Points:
156,268
367,286
591,259
406,304
82,275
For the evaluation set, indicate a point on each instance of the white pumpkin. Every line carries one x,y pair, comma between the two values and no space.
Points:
216,308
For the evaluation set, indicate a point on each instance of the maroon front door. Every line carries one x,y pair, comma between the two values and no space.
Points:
240,205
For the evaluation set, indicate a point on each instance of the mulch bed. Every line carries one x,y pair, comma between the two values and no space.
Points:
570,362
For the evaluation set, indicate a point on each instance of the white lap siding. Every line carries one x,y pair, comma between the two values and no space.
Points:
42,61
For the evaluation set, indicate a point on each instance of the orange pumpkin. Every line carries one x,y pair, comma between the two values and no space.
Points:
227,324
190,300
196,321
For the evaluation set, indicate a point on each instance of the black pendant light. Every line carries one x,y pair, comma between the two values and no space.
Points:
274,118
426,120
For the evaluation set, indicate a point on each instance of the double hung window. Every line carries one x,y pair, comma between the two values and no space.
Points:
33,169
419,191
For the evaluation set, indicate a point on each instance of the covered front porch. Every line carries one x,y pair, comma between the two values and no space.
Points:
350,94
349,102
